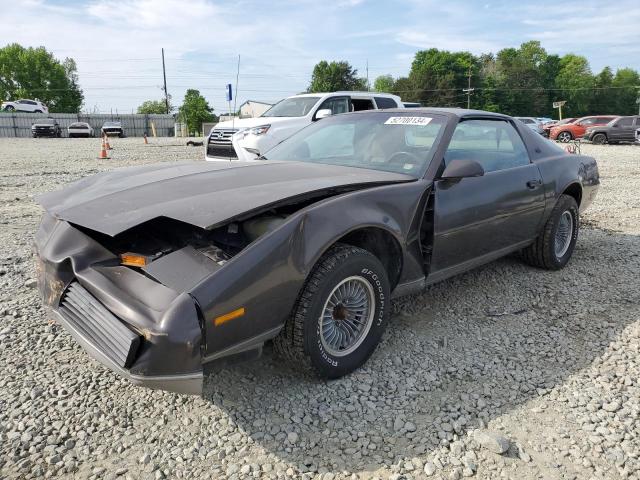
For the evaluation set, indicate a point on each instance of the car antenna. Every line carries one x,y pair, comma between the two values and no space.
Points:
235,100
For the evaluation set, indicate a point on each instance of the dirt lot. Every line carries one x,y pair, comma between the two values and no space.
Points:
543,365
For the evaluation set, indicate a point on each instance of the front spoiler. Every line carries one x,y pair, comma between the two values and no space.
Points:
190,383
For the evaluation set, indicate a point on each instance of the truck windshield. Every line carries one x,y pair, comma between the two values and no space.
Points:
292,107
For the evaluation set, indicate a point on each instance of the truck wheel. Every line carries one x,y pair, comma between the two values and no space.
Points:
599,138
564,137
554,246
340,314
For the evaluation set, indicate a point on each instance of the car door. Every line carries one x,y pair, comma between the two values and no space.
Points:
480,218
622,130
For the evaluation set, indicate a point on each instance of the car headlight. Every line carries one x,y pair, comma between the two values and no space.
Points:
260,130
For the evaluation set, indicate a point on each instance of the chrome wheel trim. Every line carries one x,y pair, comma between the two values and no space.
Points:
564,234
347,316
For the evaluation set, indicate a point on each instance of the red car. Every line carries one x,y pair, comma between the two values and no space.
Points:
567,132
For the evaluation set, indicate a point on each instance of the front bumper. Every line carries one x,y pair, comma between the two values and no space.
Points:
119,305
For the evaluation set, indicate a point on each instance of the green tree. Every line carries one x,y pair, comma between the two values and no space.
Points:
438,77
335,76
155,106
575,83
384,83
603,98
195,110
624,92
36,73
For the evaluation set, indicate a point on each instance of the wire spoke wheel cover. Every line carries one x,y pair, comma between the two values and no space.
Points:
347,316
564,234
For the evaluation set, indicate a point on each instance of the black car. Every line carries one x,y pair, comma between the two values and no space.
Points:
160,270
621,129
112,129
46,127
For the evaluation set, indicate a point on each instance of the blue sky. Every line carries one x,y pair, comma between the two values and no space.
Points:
117,43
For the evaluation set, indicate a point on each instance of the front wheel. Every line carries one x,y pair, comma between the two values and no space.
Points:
554,246
340,314
564,137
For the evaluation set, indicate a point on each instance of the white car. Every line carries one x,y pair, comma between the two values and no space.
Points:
248,138
24,105
80,129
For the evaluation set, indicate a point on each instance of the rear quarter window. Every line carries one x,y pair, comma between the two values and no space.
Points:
385,102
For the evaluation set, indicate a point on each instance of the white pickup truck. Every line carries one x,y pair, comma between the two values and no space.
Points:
248,138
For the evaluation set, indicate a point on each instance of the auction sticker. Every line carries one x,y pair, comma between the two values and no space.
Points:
408,121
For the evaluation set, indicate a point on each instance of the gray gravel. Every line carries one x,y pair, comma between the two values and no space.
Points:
504,372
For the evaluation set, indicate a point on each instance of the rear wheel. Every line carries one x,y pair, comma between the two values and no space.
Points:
599,138
554,246
37,111
340,314
9,108
564,137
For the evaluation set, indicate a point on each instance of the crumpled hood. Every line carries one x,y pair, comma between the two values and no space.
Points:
203,194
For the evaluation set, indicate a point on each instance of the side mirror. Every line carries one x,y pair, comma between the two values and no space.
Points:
325,112
462,169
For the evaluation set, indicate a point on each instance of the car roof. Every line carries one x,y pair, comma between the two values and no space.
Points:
449,112
345,92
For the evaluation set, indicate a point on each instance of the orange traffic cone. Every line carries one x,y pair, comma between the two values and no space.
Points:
106,141
146,142
103,152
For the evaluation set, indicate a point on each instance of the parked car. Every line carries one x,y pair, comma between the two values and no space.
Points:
638,135
80,129
545,120
24,105
621,129
248,138
546,128
112,129
533,123
159,270
571,131
46,127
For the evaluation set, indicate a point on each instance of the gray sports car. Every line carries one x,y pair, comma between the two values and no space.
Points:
159,271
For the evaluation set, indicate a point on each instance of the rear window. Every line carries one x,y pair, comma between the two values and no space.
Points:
385,102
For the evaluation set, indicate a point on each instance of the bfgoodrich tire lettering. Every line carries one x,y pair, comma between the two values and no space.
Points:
302,338
547,252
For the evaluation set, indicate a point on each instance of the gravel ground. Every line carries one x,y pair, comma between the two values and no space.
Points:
503,372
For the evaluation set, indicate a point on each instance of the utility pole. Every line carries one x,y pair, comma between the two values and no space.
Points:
164,75
368,85
468,90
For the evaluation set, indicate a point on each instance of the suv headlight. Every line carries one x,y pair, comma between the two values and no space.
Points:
260,130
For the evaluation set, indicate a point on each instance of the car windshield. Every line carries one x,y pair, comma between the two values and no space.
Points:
292,107
393,142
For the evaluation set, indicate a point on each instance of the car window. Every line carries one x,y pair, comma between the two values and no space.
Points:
625,122
333,141
587,121
385,102
602,120
495,144
336,105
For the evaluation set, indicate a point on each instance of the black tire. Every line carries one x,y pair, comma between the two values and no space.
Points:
543,253
9,108
37,111
301,339
599,139
564,137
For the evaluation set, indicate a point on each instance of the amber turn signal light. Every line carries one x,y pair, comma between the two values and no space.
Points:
133,260
228,316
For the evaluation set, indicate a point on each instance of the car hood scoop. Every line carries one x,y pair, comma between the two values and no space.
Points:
204,194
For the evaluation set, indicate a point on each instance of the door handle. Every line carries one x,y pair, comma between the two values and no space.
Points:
533,184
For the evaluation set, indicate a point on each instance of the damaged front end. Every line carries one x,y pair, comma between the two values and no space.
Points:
142,330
